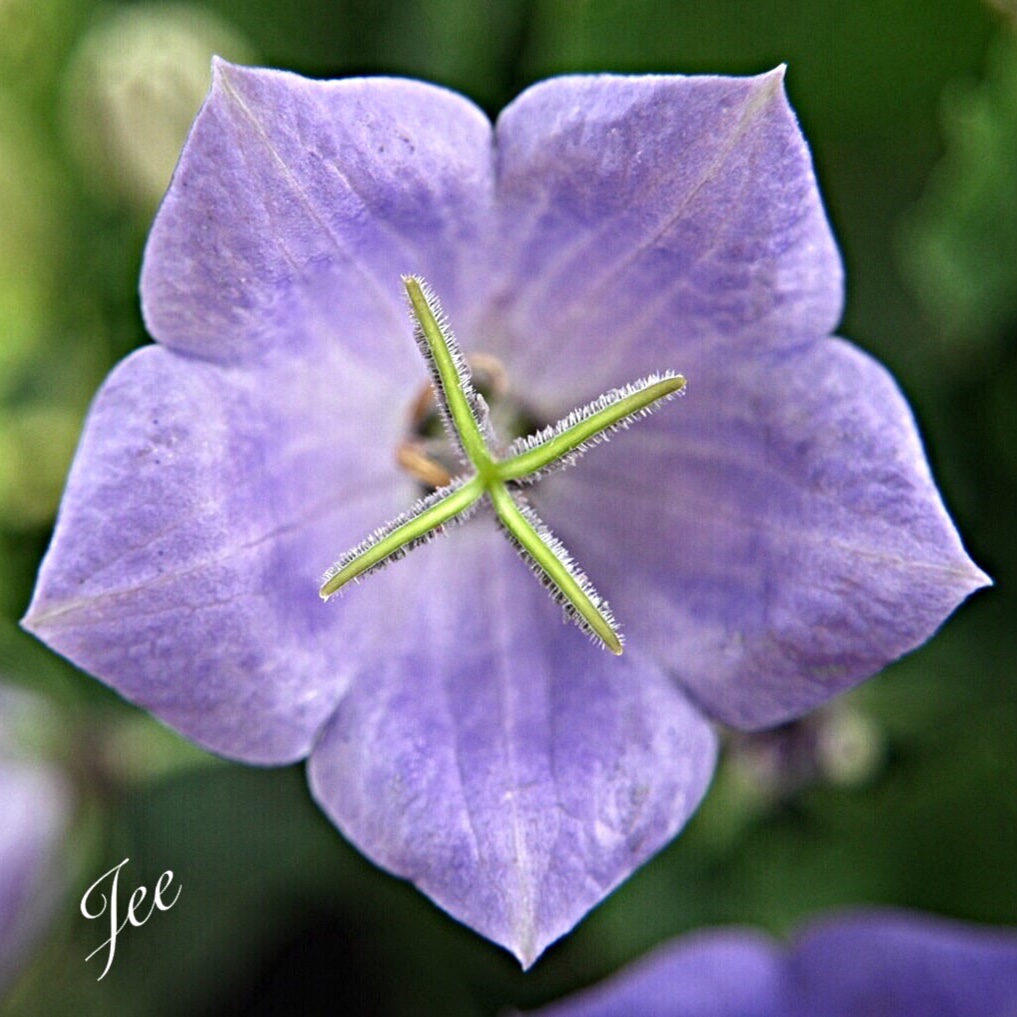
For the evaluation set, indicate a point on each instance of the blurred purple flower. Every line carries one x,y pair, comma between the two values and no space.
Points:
770,543
35,806
861,964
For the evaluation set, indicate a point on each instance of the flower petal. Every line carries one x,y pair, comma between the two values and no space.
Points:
781,536
35,808
733,973
645,216
895,964
509,768
202,507
903,964
364,180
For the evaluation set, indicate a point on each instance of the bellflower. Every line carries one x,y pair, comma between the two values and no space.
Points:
768,542
35,808
854,964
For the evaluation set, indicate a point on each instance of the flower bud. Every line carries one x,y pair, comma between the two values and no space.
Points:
132,89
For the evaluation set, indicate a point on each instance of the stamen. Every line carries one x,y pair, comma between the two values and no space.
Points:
418,464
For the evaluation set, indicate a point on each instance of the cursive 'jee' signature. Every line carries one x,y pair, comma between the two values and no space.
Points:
112,905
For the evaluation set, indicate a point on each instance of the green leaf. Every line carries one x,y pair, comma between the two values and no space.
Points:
960,247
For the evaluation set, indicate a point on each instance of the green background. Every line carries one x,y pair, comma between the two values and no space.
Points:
902,793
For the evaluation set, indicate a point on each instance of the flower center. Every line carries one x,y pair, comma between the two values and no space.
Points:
491,473
426,452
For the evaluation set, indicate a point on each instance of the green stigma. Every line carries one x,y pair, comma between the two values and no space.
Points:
498,480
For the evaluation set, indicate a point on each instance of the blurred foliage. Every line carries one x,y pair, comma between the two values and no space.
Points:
866,66
961,246
30,201
912,114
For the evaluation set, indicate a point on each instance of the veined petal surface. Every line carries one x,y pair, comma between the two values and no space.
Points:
363,180
508,767
215,482
192,535
647,220
782,535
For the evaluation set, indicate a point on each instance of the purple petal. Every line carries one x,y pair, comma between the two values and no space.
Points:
363,179
903,965
206,500
34,812
891,964
496,758
781,536
710,974
202,507
462,736
645,217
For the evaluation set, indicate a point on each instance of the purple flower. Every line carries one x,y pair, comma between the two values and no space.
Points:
768,543
35,808
861,964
